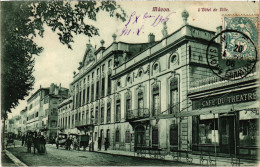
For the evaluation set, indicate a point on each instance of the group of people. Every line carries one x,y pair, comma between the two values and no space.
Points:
37,141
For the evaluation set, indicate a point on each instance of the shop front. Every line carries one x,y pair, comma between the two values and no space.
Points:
226,123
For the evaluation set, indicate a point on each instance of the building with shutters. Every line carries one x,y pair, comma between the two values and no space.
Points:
42,110
149,94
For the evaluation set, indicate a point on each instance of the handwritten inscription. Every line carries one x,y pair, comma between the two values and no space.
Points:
136,23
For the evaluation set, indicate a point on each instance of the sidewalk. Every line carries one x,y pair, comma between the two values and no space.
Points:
221,161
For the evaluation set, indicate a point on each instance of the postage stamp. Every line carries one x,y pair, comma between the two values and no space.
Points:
238,43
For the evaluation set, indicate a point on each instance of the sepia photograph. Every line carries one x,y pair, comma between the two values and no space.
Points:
129,83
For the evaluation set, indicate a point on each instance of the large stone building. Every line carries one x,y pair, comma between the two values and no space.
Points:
42,114
149,95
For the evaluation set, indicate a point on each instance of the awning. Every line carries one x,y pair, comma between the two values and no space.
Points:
253,105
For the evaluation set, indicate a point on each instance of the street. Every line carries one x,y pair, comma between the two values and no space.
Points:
62,157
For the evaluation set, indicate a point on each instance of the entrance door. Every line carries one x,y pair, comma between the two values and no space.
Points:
227,134
139,136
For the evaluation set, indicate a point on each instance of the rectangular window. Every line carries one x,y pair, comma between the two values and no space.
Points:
118,110
140,104
117,136
88,94
97,90
128,105
96,116
92,116
108,112
109,84
174,96
155,136
103,87
127,136
156,101
92,93
84,98
87,117
102,115
80,102
207,131
174,134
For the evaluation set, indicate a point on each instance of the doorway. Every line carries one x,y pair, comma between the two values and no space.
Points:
227,134
139,136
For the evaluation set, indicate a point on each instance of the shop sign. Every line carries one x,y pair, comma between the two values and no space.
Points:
231,98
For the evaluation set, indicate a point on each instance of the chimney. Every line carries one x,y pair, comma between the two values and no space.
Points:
219,29
51,88
151,38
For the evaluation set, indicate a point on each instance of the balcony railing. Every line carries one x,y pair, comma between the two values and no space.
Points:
138,114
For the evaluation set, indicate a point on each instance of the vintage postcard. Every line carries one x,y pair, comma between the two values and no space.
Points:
130,83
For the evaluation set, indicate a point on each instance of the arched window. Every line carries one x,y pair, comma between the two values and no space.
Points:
155,67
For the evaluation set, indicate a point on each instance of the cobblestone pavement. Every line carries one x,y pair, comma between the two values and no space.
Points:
62,157
6,161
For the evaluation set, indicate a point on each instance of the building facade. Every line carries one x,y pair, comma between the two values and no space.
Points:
145,95
42,108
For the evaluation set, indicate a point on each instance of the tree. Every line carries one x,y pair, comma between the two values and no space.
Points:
23,21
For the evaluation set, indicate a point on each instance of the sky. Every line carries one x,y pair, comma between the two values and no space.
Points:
57,63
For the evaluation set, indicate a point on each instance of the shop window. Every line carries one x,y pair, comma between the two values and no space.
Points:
155,136
248,132
127,136
208,132
174,96
174,134
108,112
117,136
118,111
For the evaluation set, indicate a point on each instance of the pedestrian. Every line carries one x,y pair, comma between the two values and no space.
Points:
99,143
23,138
57,142
29,143
69,142
106,143
35,143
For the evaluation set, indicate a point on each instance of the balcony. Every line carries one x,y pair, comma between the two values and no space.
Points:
138,114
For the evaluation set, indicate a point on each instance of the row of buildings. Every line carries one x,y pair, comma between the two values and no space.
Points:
41,113
158,94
